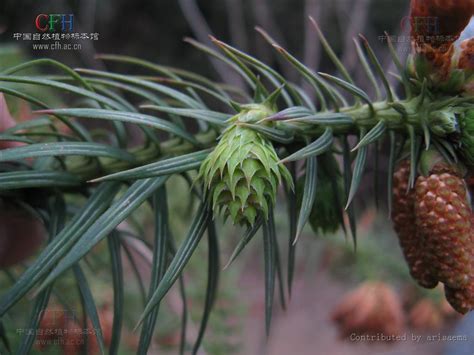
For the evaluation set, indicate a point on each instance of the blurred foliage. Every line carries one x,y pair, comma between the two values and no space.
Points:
12,54
154,30
222,336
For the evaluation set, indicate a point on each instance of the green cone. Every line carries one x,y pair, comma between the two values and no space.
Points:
326,214
243,172
466,140
443,122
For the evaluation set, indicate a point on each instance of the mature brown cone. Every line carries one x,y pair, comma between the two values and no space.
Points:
443,217
372,308
436,25
403,217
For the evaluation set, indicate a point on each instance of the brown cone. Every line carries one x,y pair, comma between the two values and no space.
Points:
372,308
462,300
443,217
403,217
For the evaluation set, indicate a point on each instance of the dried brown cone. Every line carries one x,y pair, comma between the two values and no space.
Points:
372,308
443,217
404,220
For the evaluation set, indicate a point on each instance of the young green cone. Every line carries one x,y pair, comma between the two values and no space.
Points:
243,172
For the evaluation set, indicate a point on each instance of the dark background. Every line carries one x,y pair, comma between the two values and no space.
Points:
154,30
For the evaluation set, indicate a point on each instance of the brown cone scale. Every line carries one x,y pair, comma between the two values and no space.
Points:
462,300
443,217
404,220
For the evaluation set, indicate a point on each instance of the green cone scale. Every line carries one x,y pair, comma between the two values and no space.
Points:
243,172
